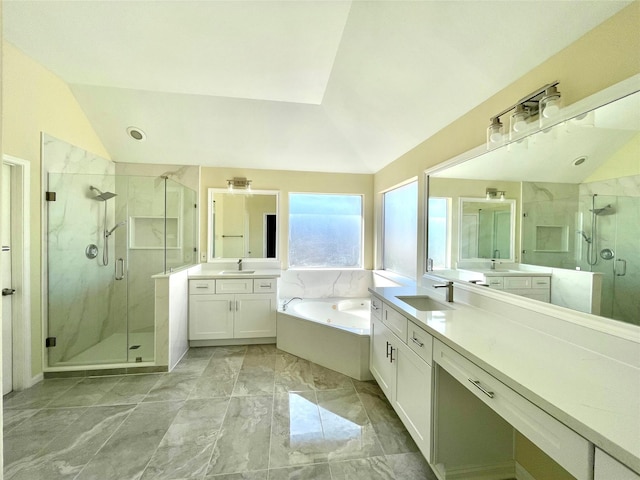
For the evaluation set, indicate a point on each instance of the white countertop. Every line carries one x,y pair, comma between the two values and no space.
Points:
201,273
595,395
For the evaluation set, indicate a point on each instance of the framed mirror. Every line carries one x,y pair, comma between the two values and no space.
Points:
576,192
242,224
487,229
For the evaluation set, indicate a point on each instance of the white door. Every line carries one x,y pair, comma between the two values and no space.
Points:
5,262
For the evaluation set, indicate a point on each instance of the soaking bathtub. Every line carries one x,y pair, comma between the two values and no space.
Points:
332,332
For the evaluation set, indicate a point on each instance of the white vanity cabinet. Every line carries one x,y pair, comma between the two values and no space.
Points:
608,468
563,445
221,309
404,374
535,287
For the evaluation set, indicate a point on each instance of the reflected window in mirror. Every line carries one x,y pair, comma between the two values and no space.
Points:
242,224
400,230
325,230
438,246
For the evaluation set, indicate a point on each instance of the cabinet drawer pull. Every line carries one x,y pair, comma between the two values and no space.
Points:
388,345
482,389
374,306
202,286
230,306
391,356
265,285
417,342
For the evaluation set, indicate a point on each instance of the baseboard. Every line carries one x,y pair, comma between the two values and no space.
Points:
522,473
498,471
38,378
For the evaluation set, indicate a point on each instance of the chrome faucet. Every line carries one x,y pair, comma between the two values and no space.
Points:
240,265
287,302
449,294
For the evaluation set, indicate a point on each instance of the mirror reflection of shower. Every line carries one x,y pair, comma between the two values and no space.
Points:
103,197
591,239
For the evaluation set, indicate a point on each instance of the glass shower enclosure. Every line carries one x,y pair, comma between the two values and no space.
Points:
107,235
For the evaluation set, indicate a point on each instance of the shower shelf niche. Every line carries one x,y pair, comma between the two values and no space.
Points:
146,233
552,238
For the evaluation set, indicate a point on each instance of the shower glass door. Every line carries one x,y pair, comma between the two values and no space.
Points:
87,305
608,236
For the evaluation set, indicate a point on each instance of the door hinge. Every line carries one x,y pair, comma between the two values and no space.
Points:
50,342
50,196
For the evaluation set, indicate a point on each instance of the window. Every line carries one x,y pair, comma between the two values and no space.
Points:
400,224
325,230
438,243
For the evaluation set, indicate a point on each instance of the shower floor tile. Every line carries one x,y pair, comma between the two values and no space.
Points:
225,413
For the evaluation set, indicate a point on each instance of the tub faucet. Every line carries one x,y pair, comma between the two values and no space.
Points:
240,265
287,302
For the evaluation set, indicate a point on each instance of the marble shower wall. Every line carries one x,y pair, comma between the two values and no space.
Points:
80,289
325,283
548,227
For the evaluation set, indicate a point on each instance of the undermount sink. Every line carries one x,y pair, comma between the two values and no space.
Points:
424,303
237,272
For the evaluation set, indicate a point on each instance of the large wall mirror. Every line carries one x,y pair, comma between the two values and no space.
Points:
575,188
242,224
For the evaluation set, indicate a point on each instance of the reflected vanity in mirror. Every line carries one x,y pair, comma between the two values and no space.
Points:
242,224
575,189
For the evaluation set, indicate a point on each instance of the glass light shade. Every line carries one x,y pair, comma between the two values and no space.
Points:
495,135
518,121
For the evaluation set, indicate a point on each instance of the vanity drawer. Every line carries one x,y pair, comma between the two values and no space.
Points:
376,308
495,282
396,322
420,342
517,282
562,444
235,285
540,282
264,285
200,287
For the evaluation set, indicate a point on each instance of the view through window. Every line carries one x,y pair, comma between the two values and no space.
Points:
325,230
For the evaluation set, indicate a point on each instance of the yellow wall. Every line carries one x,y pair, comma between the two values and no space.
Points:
624,163
36,100
292,182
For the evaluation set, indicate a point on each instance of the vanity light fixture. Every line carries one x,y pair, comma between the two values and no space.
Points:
240,183
543,102
494,193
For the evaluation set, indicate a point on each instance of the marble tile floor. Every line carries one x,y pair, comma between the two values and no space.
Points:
225,413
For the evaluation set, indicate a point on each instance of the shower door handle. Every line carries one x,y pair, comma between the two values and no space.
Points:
624,269
120,263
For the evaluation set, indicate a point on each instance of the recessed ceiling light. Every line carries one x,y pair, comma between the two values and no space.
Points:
136,133
579,161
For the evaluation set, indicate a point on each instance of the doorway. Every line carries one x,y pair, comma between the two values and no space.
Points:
16,317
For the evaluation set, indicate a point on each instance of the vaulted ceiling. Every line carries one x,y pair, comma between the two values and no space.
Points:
334,86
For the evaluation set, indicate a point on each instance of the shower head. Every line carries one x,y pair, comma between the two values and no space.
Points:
102,196
606,210
584,235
